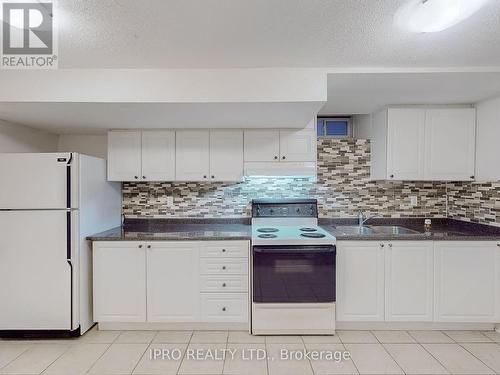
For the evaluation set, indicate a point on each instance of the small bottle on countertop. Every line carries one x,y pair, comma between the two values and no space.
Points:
428,225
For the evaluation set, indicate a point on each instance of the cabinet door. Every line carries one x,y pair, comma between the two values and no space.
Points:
262,145
409,281
173,286
226,155
158,155
124,155
119,282
450,144
298,145
360,281
405,143
192,161
466,281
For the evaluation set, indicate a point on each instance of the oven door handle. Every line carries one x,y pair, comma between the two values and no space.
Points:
308,251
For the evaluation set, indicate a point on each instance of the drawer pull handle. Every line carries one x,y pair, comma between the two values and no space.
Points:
223,267
223,285
223,309
223,250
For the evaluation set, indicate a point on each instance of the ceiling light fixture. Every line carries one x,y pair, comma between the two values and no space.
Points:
428,16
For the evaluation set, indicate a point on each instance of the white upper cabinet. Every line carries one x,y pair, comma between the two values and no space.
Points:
409,281
192,162
141,156
405,144
124,155
298,145
262,145
226,155
424,144
450,136
158,155
487,136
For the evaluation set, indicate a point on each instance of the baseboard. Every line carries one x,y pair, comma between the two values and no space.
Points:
417,326
115,326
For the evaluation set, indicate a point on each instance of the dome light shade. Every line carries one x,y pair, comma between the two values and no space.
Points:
428,16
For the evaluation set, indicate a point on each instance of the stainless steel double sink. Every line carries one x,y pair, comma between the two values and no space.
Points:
374,230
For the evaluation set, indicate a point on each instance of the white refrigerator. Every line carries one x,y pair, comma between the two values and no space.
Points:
49,204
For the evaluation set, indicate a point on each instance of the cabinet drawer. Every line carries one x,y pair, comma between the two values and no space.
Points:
224,283
225,249
230,266
224,307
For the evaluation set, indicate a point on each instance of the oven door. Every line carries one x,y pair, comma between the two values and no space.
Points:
294,274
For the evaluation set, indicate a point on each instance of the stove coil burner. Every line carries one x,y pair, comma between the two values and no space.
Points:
268,230
308,229
267,235
313,235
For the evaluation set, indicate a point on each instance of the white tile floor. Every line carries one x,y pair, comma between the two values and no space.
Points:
368,352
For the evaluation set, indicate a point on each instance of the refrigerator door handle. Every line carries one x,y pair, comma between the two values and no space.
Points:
68,181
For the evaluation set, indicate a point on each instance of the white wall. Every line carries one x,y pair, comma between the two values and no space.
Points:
94,145
487,140
20,138
362,126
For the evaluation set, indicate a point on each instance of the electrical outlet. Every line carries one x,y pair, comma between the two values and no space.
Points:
413,200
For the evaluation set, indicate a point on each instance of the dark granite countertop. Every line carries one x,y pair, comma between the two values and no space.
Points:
443,229
240,229
178,230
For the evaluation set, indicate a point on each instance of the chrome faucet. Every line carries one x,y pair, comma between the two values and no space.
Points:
362,219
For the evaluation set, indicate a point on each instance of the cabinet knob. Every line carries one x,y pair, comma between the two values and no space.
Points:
390,245
140,246
136,177
498,244
472,177
283,157
204,176
143,177
275,158
223,267
382,245
223,250
392,176
223,285
213,176
223,309
149,246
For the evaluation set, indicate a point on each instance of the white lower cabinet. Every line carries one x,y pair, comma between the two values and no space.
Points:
467,281
409,281
360,281
224,307
171,281
418,281
119,281
172,288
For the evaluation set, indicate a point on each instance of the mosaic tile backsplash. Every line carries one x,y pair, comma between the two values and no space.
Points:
343,187
474,202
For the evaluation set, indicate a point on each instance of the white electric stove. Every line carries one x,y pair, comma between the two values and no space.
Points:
293,269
